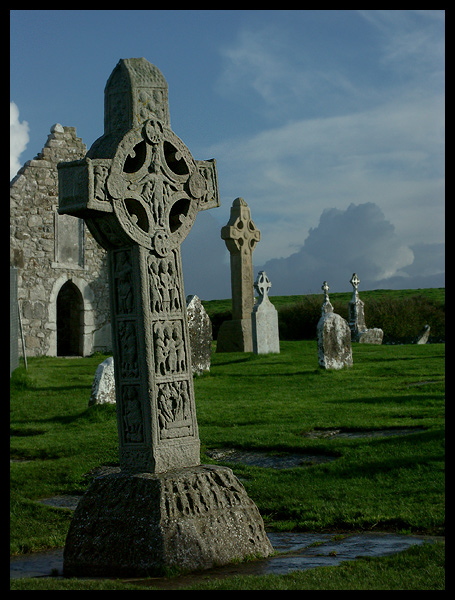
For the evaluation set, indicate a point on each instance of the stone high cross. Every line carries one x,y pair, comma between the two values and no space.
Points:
139,191
241,236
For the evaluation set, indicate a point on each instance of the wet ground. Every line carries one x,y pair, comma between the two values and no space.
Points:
295,552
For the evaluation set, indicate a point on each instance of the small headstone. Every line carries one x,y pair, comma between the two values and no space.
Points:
334,337
359,331
103,386
200,329
423,336
241,236
264,319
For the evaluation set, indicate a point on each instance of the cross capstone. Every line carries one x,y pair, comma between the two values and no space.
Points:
262,284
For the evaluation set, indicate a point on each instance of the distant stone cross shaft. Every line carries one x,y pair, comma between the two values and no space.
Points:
241,236
327,305
139,191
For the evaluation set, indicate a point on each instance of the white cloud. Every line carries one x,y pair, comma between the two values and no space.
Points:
391,155
19,139
359,239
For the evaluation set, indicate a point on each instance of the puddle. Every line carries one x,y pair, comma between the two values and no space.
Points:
65,501
262,459
371,433
295,552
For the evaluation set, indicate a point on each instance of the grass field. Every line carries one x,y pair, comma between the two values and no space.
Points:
267,403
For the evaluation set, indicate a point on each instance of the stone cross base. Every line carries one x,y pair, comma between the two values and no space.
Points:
369,336
235,336
143,524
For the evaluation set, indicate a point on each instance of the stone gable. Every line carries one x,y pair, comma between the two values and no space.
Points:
62,272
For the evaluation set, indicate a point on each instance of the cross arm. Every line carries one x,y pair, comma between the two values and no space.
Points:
211,195
81,187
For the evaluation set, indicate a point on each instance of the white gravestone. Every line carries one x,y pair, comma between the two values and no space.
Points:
264,319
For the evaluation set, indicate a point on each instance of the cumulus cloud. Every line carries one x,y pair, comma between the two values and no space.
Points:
359,239
391,155
19,139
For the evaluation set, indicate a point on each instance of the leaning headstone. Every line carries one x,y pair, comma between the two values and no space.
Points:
139,190
359,331
241,236
423,336
200,330
334,337
264,319
103,386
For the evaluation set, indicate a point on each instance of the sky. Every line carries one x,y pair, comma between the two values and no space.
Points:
329,123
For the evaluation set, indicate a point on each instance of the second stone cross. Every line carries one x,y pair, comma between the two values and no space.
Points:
241,236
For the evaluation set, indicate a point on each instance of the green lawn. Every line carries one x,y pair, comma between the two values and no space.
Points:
268,403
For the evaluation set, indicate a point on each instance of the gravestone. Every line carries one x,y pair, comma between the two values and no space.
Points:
334,337
423,336
359,331
241,236
200,331
139,190
264,319
103,386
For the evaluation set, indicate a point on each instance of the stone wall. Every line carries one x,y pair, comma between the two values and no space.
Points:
51,251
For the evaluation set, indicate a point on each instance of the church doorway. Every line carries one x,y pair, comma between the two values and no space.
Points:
70,324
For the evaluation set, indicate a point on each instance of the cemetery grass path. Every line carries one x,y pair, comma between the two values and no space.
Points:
253,402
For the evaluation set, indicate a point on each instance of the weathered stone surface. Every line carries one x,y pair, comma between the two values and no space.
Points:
50,250
359,331
200,330
423,336
370,336
264,319
236,336
334,342
103,386
334,337
139,191
241,236
137,525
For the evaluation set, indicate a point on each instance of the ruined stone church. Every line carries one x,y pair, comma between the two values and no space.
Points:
62,282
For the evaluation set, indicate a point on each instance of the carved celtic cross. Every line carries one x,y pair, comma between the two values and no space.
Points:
241,236
262,284
139,191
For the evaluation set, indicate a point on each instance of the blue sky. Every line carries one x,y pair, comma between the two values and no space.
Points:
329,123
